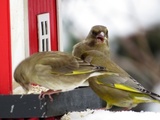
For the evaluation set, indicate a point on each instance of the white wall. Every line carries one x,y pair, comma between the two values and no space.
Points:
19,32
59,26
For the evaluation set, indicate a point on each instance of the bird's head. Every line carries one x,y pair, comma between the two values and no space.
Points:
20,77
98,35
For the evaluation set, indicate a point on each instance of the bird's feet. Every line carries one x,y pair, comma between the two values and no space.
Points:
49,93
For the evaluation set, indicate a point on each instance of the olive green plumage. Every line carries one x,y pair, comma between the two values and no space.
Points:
117,88
55,71
97,39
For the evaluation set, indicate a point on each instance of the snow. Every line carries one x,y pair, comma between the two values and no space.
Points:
109,115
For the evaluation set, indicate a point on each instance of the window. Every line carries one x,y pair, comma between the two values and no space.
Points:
44,32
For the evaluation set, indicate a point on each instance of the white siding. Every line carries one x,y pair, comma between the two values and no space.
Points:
19,32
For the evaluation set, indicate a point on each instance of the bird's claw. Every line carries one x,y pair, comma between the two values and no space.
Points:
48,93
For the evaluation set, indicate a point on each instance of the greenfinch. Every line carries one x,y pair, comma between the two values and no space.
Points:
117,88
97,39
57,71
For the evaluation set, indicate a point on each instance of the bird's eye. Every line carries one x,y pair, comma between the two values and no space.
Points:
94,33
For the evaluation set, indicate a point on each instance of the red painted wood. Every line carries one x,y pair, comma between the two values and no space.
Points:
36,7
5,49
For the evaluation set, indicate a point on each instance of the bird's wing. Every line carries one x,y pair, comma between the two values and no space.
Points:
62,63
120,82
125,83
57,62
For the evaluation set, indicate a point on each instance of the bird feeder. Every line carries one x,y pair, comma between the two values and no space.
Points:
27,27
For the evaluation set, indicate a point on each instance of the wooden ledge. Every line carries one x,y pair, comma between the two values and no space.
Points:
27,106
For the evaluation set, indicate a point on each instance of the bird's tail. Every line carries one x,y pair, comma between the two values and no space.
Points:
156,97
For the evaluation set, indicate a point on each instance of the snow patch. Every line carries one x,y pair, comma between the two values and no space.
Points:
109,115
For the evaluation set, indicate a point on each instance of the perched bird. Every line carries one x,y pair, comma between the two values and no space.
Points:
57,71
117,88
97,39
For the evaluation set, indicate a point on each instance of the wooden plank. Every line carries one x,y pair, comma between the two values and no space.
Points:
27,106
77,100
21,106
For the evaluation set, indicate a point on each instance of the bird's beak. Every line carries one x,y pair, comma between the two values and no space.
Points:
100,36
